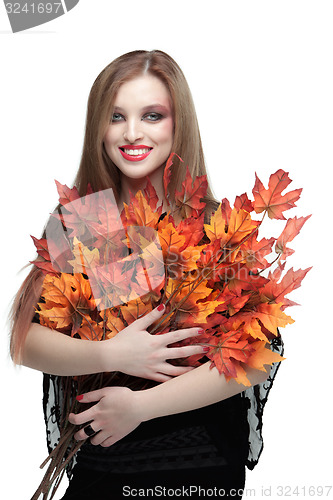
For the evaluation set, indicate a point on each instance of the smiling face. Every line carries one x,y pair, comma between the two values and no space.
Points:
139,136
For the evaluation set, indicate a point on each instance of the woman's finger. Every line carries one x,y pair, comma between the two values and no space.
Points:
178,335
149,318
160,377
174,371
92,396
81,418
109,442
81,434
185,351
99,438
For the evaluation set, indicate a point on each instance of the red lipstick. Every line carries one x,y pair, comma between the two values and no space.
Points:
137,157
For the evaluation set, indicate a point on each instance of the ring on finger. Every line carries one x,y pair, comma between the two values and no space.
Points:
89,431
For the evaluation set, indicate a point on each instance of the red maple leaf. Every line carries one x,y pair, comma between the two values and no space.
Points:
188,199
292,228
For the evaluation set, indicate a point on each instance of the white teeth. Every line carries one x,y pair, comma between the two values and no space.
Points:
136,152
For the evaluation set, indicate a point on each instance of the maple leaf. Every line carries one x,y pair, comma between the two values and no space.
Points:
149,271
68,299
269,315
43,261
188,199
187,296
58,244
114,322
192,229
113,284
150,194
85,260
215,263
292,229
139,213
271,200
226,211
262,355
107,227
90,330
77,213
218,223
241,279
243,202
42,248
167,175
228,351
134,309
275,291
272,317
44,266
172,244
239,227
66,194
230,226
253,252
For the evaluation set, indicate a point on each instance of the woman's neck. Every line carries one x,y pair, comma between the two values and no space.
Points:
134,185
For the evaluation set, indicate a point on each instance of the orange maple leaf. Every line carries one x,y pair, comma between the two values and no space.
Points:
134,309
269,315
271,200
262,355
139,213
240,226
68,299
275,291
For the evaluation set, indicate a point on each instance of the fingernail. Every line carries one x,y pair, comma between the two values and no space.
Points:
206,349
160,307
201,331
78,398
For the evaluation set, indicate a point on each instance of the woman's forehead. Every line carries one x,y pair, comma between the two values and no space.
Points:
143,91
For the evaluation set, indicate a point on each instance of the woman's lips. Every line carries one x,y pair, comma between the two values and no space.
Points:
135,153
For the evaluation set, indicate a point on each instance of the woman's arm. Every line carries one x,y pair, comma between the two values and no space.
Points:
133,351
119,410
202,387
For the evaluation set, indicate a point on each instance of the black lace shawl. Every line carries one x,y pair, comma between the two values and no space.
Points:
253,400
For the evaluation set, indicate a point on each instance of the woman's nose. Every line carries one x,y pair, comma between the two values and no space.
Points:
133,131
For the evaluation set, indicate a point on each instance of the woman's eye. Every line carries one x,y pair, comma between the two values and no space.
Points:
153,117
116,117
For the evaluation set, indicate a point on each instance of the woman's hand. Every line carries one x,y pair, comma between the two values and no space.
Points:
113,417
136,352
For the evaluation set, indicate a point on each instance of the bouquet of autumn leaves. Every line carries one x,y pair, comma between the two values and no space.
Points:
103,269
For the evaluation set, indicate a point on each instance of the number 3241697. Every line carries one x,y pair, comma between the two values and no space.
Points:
312,491
33,8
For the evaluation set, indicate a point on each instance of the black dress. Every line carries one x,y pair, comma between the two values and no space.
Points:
207,448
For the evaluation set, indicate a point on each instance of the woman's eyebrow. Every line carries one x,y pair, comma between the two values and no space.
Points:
155,106
145,108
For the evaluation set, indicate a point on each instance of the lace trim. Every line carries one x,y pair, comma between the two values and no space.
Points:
257,397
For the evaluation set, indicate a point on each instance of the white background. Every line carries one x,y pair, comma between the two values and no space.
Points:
261,77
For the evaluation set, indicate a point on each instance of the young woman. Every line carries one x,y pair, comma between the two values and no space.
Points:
194,429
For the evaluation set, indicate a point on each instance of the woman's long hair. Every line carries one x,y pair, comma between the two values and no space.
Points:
100,172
